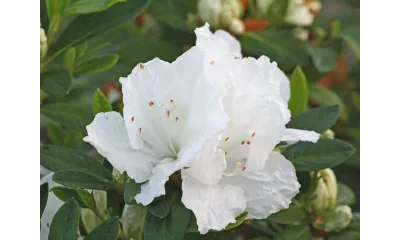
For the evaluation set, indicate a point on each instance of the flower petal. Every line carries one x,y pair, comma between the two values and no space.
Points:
214,206
293,135
107,133
269,190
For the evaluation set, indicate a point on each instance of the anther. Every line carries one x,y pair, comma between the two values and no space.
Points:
141,66
226,139
133,118
248,142
252,135
176,119
243,169
243,142
151,103
212,62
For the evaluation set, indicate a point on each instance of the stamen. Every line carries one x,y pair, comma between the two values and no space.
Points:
133,118
151,103
141,66
252,135
243,142
226,139
248,142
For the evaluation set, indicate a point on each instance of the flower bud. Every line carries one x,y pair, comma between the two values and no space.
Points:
236,26
231,9
43,43
263,6
301,33
336,220
302,12
210,11
328,134
326,191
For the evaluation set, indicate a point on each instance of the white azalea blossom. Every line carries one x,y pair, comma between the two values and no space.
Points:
216,117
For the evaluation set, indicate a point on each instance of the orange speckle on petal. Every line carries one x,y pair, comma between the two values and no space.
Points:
151,103
243,142
133,118
226,139
176,119
140,130
252,135
248,142
212,62
168,113
243,169
141,66
226,153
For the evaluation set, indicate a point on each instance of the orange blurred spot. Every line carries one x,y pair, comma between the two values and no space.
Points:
255,24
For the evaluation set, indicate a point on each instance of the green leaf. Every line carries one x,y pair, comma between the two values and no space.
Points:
81,50
97,65
159,208
315,119
327,97
90,6
108,230
64,225
279,45
64,194
56,133
55,82
44,194
324,58
172,227
56,7
291,215
133,220
69,58
81,180
277,12
100,103
295,232
87,198
86,26
326,153
70,115
73,139
239,220
351,35
58,159
261,238
355,222
298,92
131,190
90,53
346,235
345,195
262,226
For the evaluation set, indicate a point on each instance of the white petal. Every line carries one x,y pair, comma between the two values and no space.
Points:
294,135
155,186
209,165
300,16
269,190
107,133
234,45
52,206
214,207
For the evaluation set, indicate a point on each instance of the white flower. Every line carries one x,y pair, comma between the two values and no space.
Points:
216,117
301,12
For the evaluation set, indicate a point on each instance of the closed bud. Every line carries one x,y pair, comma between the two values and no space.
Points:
326,191
301,33
328,134
43,43
231,10
336,220
236,26
210,11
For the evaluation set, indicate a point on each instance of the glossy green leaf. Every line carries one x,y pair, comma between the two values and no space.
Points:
326,153
345,195
87,198
291,215
327,97
172,227
133,220
279,45
97,65
315,119
91,52
108,230
90,6
100,103
277,12
64,194
262,226
159,208
239,220
86,26
298,92
346,235
69,58
64,225
56,7
261,238
70,115
55,82
57,159
56,133
73,138
81,50
44,194
75,179
324,59
300,232
131,190
351,34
